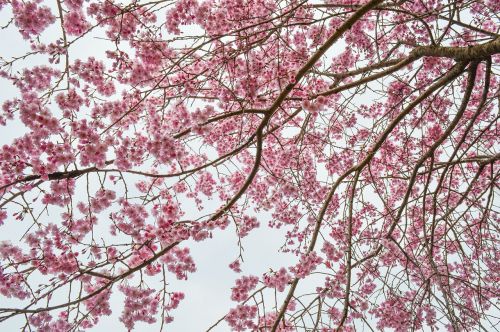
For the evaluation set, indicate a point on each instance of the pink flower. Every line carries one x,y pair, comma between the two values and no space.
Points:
241,318
3,216
30,18
243,286
75,23
307,264
278,280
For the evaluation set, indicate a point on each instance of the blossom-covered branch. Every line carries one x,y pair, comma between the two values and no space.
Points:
364,133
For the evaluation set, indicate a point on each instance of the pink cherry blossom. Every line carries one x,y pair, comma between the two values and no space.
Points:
30,18
145,141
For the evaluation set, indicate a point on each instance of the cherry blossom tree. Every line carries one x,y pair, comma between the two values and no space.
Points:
366,131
